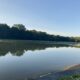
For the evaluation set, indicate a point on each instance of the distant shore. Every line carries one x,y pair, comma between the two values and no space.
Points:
6,40
76,44
19,32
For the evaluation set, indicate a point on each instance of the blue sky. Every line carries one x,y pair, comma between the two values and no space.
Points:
60,17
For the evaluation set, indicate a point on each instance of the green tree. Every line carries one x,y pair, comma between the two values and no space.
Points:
19,26
4,26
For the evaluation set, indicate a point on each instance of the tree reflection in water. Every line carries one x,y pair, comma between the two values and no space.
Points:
17,48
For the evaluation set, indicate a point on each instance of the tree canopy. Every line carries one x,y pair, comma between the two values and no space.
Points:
19,32
19,26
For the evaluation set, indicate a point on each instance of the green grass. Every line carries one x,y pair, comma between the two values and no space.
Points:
72,77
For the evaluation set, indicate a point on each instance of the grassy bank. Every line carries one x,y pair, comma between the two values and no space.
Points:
72,77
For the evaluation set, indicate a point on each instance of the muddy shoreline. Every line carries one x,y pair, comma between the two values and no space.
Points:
56,76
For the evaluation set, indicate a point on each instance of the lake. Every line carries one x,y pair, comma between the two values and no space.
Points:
24,60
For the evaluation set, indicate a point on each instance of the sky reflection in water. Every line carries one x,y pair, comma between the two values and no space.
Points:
20,62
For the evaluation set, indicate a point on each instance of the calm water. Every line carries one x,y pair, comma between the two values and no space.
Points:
25,60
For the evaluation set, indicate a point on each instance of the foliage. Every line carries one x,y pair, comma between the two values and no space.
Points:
19,26
19,32
72,77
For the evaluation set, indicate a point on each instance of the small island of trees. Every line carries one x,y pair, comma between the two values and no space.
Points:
19,32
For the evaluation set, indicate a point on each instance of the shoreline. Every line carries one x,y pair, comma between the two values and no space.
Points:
71,44
5,40
73,70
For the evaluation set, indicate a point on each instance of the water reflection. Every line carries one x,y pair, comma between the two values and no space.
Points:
31,65
17,48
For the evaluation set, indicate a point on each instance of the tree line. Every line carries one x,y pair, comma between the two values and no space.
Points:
19,32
